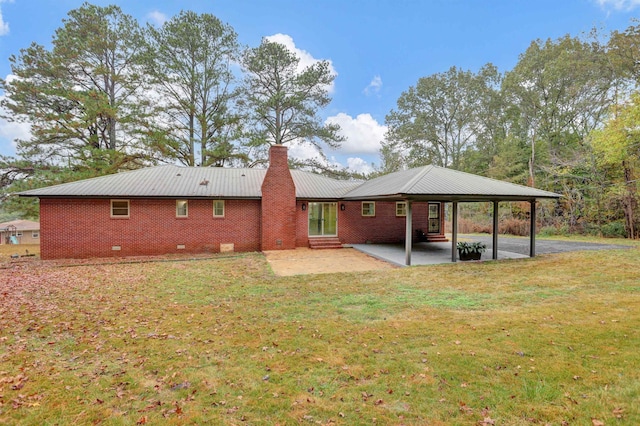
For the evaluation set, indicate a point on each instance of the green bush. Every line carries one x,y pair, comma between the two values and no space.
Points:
613,230
550,231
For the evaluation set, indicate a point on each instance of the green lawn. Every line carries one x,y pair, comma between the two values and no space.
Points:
553,340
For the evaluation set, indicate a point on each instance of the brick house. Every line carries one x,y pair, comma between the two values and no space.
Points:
172,209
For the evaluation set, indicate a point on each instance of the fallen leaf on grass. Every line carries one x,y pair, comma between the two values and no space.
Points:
618,412
183,385
464,408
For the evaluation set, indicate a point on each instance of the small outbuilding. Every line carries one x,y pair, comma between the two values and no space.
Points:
171,209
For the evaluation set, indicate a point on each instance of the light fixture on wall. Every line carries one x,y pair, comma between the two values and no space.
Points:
342,207
304,207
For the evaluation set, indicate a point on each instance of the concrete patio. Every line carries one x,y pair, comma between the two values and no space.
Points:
508,248
423,253
372,257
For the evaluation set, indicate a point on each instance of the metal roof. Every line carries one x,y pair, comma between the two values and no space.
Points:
172,181
310,186
438,183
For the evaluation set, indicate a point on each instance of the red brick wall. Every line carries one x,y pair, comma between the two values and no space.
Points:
278,203
353,228
80,228
302,224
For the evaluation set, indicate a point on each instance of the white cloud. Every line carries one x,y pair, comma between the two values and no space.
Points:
357,164
620,4
373,87
10,131
364,134
4,26
306,59
157,17
304,151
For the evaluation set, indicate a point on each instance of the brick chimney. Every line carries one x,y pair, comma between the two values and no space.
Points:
278,203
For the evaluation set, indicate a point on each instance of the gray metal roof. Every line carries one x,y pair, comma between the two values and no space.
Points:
438,183
313,186
172,181
163,181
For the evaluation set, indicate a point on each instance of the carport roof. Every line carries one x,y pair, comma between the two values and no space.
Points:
438,183
170,181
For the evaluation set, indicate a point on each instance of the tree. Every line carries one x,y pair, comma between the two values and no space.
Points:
617,147
560,91
438,120
84,97
282,102
190,63
624,53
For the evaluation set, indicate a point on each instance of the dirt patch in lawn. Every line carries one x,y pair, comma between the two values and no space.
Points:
306,261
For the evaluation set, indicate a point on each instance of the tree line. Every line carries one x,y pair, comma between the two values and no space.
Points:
566,119
111,95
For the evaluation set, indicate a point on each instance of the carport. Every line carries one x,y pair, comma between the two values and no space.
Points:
433,183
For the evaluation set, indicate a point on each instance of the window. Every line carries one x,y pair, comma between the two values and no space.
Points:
218,208
120,208
401,208
35,234
368,208
182,208
19,234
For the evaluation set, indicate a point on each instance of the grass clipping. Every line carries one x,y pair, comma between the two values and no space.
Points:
223,341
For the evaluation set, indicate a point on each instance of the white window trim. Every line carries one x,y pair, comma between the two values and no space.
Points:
186,210
121,216
224,208
398,204
373,209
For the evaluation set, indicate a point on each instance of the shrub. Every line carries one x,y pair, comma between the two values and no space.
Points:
514,226
551,230
469,226
613,230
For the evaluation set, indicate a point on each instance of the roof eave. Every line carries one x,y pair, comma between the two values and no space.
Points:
452,197
164,197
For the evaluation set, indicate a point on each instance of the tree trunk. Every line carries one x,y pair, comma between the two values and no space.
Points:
532,160
631,201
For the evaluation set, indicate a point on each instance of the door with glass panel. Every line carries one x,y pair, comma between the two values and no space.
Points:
434,218
323,219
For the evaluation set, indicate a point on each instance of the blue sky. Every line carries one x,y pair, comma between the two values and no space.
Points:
378,48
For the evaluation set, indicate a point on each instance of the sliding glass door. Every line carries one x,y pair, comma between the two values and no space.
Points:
323,219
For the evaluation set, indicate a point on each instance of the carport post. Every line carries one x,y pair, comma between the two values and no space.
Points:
495,230
532,229
409,228
454,231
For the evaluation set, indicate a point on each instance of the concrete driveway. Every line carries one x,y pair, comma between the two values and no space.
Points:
521,244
